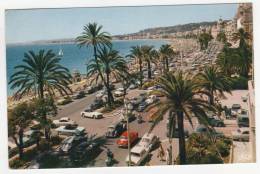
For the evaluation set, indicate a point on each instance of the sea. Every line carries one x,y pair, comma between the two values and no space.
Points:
74,57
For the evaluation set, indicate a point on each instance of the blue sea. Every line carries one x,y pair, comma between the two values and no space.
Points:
74,58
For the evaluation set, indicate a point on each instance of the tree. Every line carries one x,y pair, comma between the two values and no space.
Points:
18,119
127,79
166,52
227,60
181,100
40,72
109,63
94,36
212,81
148,53
136,53
204,39
43,108
221,37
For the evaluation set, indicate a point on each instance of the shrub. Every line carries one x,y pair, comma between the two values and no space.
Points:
44,145
49,161
223,148
239,82
17,163
56,140
148,84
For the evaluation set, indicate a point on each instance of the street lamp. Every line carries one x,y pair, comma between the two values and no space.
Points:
127,105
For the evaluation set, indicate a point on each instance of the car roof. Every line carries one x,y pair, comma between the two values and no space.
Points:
64,118
244,129
137,149
148,135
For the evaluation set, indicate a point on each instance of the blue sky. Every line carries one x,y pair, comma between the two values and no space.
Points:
44,24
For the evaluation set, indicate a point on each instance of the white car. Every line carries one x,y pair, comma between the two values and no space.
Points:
140,151
151,99
70,130
241,134
101,93
119,92
63,121
94,115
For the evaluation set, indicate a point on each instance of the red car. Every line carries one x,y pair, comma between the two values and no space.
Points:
123,141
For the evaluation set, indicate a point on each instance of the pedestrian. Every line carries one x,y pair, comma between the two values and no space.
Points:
168,158
161,153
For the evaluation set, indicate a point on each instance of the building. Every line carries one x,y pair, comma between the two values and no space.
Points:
251,114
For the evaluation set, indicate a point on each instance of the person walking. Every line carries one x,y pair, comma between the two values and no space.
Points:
161,153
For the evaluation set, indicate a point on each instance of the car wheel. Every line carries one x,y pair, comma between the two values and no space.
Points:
82,115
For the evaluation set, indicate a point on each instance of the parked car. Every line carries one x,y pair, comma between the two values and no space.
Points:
142,106
98,103
137,100
119,92
90,90
176,133
28,138
130,116
63,121
133,86
83,151
79,95
214,120
64,101
123,141
140,151
152,99
70,130
100,94
70,142
235,109
241,134
243,119
115,129
94,115
201,129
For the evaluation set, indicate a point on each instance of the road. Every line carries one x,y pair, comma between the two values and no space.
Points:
99,127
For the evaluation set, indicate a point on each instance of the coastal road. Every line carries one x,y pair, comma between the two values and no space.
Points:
99,127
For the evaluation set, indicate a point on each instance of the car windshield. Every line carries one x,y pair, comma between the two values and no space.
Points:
135,154
146,140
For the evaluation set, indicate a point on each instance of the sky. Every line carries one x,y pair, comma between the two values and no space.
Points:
47,24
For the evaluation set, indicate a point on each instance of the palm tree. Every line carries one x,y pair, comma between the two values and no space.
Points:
242,36
40,72
181,100
19,119
93,35
136,53
213,81
166,52
109,63
148,55
204,39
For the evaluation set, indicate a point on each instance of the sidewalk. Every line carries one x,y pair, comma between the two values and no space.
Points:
165,143
242,152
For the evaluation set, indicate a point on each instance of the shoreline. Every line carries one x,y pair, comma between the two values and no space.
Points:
71,42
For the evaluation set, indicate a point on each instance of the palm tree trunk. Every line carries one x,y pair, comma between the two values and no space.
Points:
167,64
109,93
96,60
149,69
141,72
182,150
211,98
20,144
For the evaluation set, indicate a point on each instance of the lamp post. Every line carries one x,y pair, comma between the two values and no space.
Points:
126,103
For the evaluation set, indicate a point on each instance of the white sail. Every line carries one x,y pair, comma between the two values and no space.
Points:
60,52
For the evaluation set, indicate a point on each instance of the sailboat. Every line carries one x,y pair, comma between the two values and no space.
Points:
60,52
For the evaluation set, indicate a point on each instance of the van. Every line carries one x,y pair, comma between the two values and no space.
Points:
243,120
